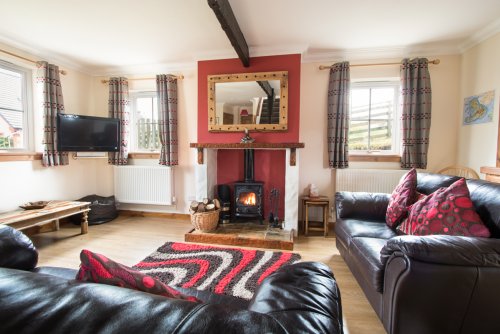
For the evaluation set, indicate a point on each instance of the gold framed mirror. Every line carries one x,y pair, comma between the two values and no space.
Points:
252,101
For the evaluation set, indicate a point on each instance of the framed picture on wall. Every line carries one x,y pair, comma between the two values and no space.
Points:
479,108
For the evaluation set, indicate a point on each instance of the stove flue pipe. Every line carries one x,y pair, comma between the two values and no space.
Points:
248,165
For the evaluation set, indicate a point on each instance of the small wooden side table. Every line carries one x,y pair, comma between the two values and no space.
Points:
321,201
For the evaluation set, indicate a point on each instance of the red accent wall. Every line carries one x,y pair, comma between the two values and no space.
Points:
269,164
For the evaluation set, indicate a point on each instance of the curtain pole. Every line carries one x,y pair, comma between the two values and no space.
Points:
26,59
325,67
179,77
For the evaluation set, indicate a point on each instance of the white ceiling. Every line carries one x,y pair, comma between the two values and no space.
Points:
130,36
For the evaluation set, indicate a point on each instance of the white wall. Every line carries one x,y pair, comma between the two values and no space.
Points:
477,144
27,181
184,175
445,81
24,181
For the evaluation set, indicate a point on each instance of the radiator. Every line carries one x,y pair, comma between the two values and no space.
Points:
369,180
144,184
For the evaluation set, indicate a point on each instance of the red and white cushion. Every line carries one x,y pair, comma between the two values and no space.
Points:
401,198
98,268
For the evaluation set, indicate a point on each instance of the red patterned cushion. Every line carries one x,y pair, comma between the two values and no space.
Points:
401,198
405,226
446,211
97,268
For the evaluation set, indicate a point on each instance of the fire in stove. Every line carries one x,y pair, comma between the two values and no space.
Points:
247,198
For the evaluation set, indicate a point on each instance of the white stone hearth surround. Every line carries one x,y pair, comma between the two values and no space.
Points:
206,180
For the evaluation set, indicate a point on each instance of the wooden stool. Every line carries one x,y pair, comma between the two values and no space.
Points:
321,201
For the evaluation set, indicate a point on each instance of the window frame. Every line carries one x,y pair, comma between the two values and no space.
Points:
395,152
133,116
27,104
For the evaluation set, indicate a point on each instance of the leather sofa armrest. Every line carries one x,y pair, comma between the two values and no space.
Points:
445,249
361,205
16,249
303,296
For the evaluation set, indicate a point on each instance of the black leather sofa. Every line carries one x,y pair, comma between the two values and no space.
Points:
429,284
300,298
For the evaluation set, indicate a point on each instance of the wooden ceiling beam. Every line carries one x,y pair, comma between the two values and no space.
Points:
227,20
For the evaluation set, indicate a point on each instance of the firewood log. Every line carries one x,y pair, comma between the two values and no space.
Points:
194,206
217,203
201,207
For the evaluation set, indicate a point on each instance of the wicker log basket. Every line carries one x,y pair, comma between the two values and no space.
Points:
205,215
205,221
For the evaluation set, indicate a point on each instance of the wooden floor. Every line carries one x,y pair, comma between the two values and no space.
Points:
130,239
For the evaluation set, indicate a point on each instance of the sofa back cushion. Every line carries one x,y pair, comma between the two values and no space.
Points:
486,199
16,249
428,183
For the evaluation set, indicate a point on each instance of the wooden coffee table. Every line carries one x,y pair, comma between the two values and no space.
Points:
55,210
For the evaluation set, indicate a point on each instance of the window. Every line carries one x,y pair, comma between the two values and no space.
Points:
15,94
373,124
145,131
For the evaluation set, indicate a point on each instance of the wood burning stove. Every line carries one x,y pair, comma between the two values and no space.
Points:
248,200
248,194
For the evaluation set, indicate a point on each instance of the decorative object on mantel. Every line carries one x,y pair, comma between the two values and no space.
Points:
205,214
479,108
246,138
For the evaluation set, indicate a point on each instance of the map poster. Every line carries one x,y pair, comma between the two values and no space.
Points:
479,108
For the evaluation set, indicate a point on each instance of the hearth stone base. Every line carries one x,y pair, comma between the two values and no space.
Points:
244,234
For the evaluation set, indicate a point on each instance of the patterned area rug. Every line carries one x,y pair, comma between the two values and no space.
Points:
231,271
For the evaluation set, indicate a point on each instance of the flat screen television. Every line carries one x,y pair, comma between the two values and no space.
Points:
79,133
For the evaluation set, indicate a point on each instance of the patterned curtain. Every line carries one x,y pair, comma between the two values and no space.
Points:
118,106
49,87
166,90
416,112
338,115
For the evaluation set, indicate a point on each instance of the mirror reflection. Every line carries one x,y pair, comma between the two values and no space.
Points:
252,102
255,101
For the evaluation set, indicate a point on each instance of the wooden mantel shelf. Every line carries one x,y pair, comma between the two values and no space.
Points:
241,146
492,173
247,145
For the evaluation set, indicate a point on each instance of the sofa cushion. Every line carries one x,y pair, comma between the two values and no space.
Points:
16,249
361,205
401,198
366,256
98,268
486,199
427,183
346,229
446,211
